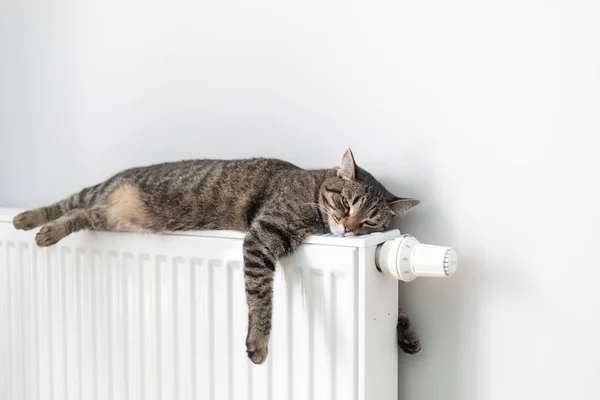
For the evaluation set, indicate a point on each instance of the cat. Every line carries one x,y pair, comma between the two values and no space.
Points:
276,203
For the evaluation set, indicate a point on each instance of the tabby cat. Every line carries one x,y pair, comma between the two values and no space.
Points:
276,203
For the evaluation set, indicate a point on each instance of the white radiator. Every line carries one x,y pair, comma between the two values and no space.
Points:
129,316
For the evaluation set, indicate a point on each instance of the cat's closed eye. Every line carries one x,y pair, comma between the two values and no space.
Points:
345,204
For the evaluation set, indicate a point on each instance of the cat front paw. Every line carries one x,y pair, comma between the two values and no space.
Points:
410,347
408,340
257,347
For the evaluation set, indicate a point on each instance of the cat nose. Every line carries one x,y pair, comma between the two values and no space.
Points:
347,229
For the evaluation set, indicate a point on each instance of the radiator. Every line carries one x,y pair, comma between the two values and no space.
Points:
129,316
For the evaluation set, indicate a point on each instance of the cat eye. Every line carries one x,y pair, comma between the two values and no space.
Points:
345,203
369,223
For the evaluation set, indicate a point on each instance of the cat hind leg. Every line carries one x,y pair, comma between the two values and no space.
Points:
28,220
72,221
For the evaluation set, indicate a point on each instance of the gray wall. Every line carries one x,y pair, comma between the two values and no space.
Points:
487,111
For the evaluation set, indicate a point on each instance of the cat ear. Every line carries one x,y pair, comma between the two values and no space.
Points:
347,169
400,206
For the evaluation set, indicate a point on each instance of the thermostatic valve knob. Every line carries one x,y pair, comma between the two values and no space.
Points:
406,259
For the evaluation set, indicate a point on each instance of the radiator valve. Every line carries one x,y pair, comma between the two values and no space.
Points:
405,259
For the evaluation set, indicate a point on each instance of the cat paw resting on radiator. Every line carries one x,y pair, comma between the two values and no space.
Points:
276,203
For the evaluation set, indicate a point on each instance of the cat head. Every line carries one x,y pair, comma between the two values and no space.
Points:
355,201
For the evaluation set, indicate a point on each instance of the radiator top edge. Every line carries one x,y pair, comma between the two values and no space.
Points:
7,214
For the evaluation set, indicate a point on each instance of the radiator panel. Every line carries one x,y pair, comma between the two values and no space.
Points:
125,316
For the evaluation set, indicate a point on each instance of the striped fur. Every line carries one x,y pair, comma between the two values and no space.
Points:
276,203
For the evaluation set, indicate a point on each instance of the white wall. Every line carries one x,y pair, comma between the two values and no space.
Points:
487,111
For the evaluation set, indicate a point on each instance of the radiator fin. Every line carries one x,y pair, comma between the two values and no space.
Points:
97,320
